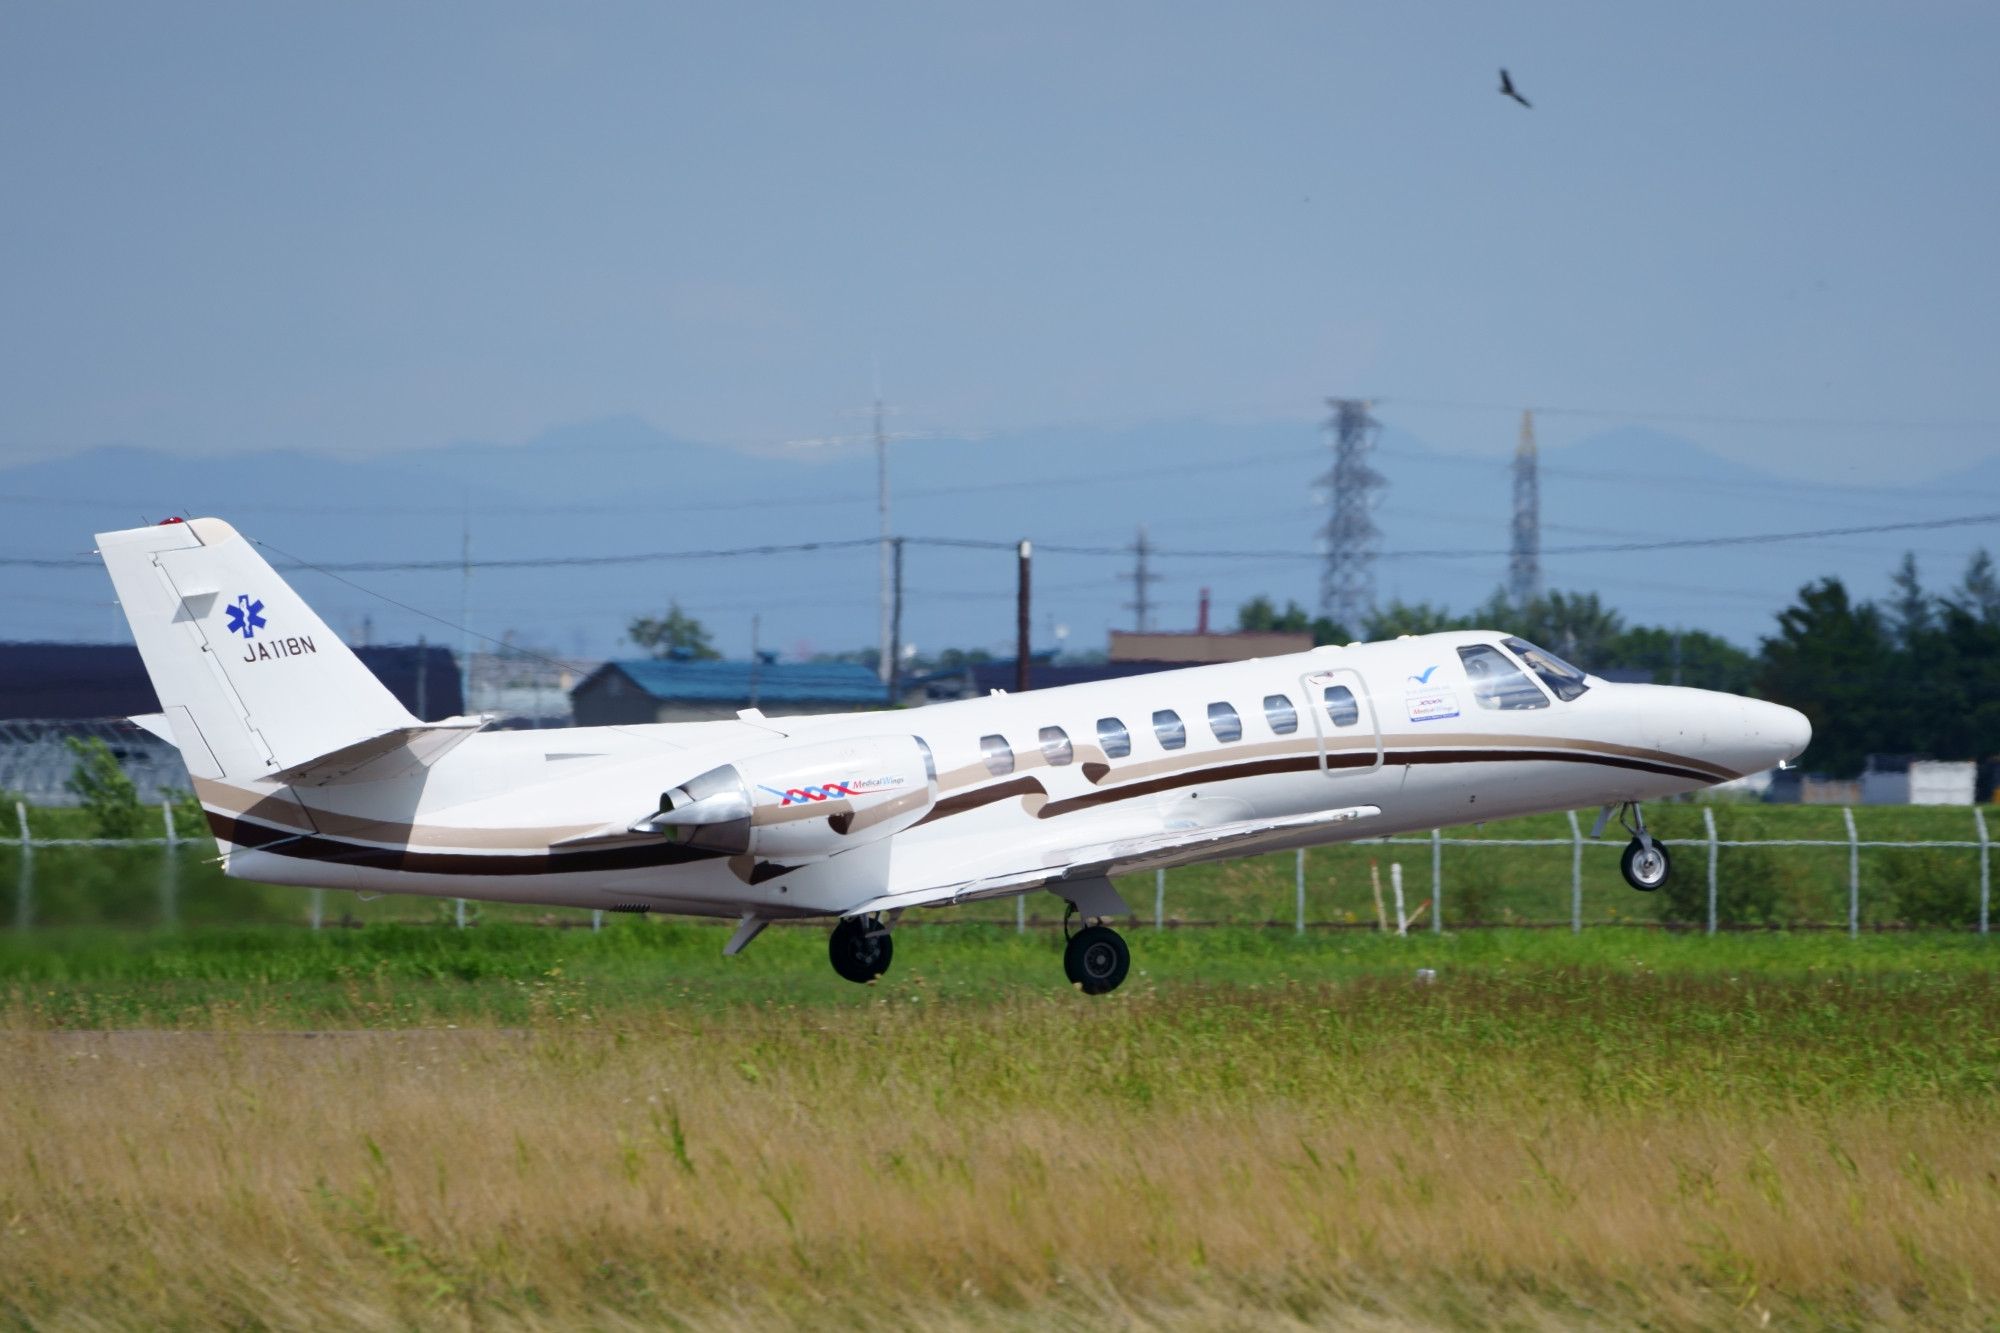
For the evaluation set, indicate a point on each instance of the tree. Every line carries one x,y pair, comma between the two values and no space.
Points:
1912,611
1836,661
676,634
1978,594
1259,616
1413,618
109,796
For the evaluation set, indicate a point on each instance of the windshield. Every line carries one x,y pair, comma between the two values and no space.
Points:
1565,680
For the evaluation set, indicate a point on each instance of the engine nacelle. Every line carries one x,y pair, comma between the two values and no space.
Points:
804,803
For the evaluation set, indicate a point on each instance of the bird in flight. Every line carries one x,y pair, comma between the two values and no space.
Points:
1507,90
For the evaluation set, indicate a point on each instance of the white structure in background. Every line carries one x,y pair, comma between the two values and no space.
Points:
1899,780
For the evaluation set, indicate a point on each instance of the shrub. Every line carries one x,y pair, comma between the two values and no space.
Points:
1929,886
1754,886
109,796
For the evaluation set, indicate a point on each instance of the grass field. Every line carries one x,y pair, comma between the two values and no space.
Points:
513,1127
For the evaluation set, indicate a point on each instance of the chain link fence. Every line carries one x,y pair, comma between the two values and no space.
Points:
1553,876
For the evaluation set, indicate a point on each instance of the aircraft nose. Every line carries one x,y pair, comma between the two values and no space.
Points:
1782,733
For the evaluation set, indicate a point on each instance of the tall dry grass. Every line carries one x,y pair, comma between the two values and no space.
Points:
1579,1152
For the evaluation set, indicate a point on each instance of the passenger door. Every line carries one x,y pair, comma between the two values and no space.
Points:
1347,730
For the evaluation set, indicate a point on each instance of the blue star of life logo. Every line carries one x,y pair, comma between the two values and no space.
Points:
246,617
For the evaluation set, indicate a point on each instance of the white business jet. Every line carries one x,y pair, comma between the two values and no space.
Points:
313,774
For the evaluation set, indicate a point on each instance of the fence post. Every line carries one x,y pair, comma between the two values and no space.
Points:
596,919
1437,881
1575,876
458,912
1853,874
1159,900
1020,914
1708,822
170,871
24,892
1985,869
316,910
1299,893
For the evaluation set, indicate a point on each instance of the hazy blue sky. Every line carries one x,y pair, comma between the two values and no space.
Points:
370,226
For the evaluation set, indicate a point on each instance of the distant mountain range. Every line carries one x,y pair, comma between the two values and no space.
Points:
621,486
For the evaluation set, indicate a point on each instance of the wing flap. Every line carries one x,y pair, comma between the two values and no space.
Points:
1122,856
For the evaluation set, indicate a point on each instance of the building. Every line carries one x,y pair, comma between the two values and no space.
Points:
685,690
1200,648
51,693
1899,779
974,680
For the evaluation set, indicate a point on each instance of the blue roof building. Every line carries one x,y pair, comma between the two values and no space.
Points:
650,689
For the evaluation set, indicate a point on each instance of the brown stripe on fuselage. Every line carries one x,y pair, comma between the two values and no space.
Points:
333,851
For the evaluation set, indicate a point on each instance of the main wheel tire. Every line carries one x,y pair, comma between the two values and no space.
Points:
857,954
1096,960
1645,870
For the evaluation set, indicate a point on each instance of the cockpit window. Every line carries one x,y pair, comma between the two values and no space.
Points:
1558,675
1497,682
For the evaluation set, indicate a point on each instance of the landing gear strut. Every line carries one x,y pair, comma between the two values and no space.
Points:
1645,863
1096,958
860,948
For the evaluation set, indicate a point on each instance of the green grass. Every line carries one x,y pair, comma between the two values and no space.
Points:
512,974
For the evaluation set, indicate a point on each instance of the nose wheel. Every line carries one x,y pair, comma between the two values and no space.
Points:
860,948
1645,867
1645,863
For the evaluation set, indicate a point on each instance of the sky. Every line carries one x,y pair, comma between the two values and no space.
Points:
359,228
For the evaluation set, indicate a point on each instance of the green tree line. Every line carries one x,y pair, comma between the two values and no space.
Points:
1918,673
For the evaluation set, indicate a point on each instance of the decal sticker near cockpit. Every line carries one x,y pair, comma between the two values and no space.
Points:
1431,705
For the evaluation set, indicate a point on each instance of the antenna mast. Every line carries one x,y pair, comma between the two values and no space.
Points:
1347,583
1524,562
1142,576
884,665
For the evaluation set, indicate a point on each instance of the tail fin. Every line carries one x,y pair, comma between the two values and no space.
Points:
251,681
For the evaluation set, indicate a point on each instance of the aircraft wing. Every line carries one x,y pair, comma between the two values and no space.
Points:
1124,856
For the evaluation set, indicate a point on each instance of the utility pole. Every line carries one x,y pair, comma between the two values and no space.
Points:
1524,561
1142,578
1026,553
465,615
756,658
1347,582
896,620
885,667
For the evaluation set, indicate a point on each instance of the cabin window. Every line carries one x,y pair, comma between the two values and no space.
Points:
1222,720
1497,682
1056,747
998,754
1558,675
1278,711
1341,709
1167,725
1112,736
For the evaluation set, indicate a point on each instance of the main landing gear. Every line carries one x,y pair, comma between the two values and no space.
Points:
1645,863
1096,958
860,948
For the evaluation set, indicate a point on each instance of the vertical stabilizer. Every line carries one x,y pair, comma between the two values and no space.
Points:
251,681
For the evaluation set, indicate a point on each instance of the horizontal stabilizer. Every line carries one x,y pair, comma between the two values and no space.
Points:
389,755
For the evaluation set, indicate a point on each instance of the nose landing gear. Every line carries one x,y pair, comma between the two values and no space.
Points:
1645,863
860,948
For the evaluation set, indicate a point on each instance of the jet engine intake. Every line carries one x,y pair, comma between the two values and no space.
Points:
803,803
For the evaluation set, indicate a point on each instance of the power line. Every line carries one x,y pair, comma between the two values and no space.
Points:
1058,548
1709,418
